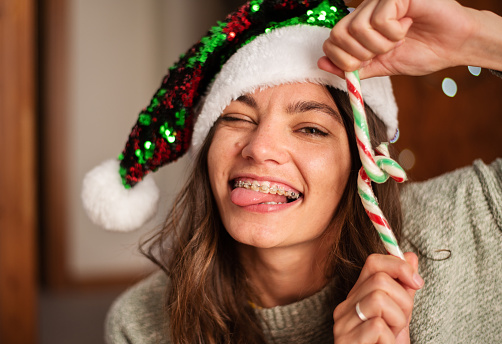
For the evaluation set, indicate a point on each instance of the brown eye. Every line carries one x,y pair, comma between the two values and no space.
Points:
313,131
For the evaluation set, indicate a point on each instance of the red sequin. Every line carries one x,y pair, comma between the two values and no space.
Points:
237,22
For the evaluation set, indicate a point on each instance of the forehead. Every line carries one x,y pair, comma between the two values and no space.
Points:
292,91
294,99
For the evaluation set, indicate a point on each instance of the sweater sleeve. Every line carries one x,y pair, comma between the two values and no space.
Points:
137,316
454,224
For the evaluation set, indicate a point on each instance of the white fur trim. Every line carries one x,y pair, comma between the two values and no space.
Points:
283,56
110,205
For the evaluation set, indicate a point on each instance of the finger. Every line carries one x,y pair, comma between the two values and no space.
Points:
341,49
325,64
379,296
372,69
340,58
383,283
379,305
389,19
372,331
412,259
349,43
394,267
369,39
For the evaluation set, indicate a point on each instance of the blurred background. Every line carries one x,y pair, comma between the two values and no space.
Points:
74,75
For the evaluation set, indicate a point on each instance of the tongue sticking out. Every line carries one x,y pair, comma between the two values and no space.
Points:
243,197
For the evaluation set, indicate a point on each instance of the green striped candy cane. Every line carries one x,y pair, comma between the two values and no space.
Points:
375,167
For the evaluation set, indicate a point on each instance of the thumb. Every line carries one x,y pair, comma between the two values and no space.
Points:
412,259
366,70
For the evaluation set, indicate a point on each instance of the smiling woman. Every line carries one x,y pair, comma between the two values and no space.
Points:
277,157
268,241
303,153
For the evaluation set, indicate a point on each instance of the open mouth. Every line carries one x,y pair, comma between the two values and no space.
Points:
271,193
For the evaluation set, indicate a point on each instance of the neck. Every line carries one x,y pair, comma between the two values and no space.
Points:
282,276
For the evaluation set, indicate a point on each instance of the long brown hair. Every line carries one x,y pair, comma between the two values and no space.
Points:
207,300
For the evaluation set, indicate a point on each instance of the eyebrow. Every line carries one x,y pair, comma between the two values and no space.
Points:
298,107
248,100
306,106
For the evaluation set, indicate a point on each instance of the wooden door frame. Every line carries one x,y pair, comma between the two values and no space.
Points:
18,211
54,110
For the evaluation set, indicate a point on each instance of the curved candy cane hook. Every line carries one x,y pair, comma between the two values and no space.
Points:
377,168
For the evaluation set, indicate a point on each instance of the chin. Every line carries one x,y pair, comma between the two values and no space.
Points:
259,237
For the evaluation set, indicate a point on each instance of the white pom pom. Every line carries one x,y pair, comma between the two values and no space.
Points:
110,205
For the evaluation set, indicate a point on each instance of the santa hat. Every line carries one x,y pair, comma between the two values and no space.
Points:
264,43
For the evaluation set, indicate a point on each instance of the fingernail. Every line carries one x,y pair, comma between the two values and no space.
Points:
418,280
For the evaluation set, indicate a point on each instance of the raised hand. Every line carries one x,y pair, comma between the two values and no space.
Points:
411,37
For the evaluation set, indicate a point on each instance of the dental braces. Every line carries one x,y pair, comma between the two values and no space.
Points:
266,189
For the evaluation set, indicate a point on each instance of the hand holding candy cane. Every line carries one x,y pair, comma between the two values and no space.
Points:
404,37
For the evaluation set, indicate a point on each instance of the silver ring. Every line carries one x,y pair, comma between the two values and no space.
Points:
360,314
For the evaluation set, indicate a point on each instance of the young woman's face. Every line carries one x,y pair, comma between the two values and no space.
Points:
278,165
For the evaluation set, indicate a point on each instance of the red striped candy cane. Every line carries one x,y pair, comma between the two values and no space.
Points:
377,168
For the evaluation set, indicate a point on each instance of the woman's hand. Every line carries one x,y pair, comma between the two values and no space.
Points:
384,292
412,37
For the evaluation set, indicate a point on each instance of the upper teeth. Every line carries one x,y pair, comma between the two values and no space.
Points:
265,188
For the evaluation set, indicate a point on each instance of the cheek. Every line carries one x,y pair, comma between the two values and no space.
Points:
222,152
215,156
329,172
224,144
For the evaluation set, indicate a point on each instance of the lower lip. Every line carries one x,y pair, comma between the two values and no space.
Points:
269,208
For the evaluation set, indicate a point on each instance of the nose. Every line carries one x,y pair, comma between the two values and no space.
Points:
266,144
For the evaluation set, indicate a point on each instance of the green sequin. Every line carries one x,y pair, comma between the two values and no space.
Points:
145,119
123,174
153,104
164,131
209,44
322,15
255,5
180,115
167,133
141,158
149,150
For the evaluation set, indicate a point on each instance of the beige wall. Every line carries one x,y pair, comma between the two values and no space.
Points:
119,52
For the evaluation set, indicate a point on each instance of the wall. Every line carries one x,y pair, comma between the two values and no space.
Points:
118,54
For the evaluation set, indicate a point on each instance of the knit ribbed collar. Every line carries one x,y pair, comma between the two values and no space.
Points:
307,321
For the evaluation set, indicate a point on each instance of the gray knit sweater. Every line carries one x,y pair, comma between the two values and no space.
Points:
454,223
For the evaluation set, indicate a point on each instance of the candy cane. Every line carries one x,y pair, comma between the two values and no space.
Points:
377,168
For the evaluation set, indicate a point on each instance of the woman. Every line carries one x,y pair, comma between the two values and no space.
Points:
268,242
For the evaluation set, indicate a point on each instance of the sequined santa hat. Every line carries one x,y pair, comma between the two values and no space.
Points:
264,43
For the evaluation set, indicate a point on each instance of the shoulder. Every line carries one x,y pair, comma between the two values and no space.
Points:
448,203
138,315
454,224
